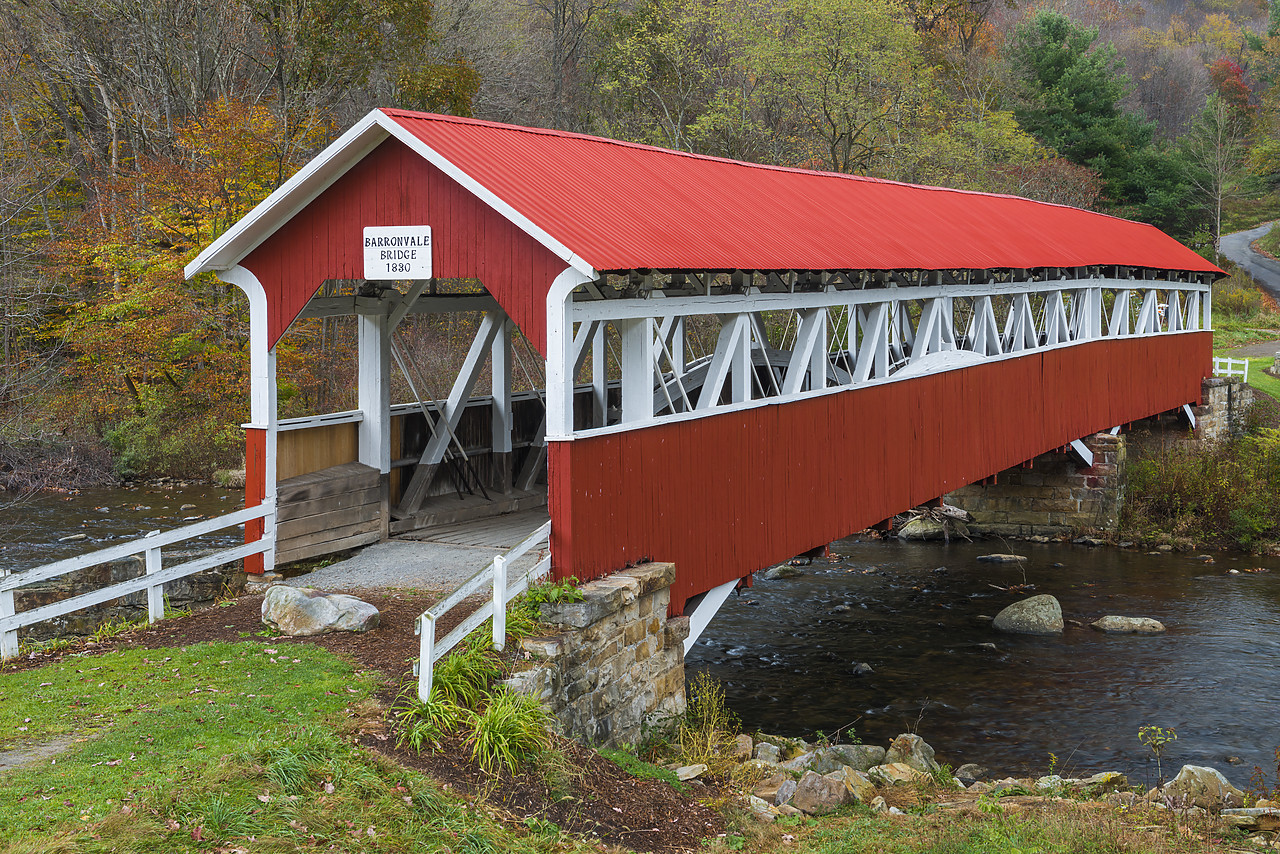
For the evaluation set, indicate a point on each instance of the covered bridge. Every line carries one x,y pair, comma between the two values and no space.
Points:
735,363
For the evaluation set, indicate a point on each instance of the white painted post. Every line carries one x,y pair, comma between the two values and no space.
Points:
425,626
502,422
560,353
500,601
740,362
637,368
8,640
155,594
263,409
374,394
599,377
1206,306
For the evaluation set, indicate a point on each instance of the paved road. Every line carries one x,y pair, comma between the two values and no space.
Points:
1265,271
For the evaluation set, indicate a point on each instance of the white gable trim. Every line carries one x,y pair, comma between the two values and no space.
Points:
230,248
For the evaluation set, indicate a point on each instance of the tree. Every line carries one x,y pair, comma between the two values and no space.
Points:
1216,150
849,71
1071,94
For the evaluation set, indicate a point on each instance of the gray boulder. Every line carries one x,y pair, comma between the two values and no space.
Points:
767,752
1203,787
825,760
1128,625
785,792
925,528
1002,558
818,795
299,611
911,750
784,571
1039,615
970,773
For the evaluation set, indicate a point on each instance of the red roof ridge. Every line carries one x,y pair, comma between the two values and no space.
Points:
396,113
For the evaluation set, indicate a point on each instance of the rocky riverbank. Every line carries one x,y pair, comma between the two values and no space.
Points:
793,777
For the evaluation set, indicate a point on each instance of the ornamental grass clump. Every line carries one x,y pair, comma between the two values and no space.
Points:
511,730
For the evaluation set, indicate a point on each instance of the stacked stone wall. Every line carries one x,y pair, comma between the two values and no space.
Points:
616,665
1056,495
194,591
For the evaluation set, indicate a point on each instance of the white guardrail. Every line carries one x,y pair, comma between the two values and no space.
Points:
153,581
1224,367
495,575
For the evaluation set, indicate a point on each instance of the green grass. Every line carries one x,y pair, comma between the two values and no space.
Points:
637,767
188,749
1260,379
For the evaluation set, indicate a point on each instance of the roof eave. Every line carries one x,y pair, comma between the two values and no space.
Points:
327,167
291,197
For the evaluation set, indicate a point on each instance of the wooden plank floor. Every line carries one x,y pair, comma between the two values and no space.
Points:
495,532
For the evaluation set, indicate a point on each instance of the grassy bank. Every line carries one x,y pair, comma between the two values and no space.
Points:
222,746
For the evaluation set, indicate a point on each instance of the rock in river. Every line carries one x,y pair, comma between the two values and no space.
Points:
1002,558
1128,625
1039,615
298,611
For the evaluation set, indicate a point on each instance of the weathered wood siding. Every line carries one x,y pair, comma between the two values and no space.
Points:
726,495
394,186
304,451
327,511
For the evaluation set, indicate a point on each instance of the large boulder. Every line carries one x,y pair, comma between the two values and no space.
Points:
818,795
1204,787
298,611
1039,615
893,773
911,750
824,760
858,786
1128,625
926,528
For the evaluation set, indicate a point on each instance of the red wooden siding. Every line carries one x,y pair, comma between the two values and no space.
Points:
394,186
255,490
729,494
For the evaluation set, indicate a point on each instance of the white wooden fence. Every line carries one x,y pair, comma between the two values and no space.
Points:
494,575
1224,367
152,581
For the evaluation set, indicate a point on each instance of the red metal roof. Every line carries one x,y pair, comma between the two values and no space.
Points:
622,206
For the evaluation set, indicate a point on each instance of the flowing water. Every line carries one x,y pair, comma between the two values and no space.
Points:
786,650
33,531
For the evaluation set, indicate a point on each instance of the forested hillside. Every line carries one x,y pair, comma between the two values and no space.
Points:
134,132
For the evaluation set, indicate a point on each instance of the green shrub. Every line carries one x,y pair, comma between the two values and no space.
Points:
1225,494
708,730
1237,296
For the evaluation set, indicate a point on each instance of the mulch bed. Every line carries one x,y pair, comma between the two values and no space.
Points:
588,795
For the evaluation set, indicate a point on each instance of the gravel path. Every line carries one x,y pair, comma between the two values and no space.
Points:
405,564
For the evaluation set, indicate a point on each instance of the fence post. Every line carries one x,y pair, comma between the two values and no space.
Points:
425,626
499,602
155,594
8,640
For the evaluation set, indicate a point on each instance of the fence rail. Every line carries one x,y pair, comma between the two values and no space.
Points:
153,581
493,575
1225,367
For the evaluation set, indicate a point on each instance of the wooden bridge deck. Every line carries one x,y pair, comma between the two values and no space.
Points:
495,532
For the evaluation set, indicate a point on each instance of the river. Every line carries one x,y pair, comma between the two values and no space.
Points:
785,652
33,530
